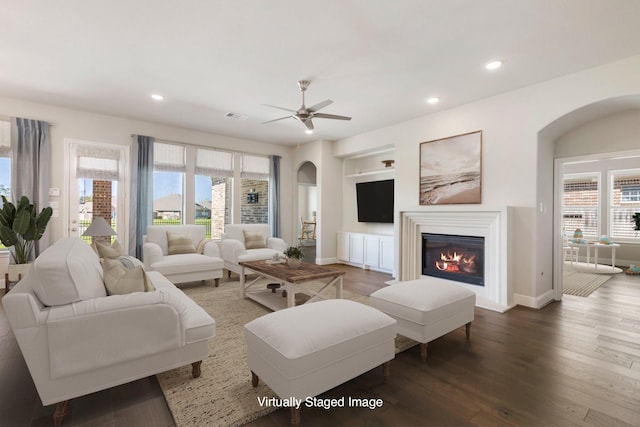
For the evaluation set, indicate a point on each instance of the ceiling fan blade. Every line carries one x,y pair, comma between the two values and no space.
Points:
275,120
280,108
320,105
330,116
308,123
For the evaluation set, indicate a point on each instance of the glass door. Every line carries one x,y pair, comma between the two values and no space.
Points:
96,187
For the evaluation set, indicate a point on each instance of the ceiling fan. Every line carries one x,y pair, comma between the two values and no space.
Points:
305,114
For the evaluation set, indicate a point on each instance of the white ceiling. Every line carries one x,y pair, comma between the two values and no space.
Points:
378,60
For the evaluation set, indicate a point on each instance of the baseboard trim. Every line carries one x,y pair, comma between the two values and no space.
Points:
326,261
534,302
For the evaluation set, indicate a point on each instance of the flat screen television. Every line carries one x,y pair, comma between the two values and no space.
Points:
375,201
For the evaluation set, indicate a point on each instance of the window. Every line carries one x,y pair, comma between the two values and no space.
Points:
168,183
254,205
624,202
580,205
213,187
5,161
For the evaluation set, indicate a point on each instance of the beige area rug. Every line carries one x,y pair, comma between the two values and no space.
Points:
581,284
223,395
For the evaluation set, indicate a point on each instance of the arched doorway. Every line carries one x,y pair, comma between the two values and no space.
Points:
592,134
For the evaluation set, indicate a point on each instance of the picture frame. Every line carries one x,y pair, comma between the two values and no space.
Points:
451,170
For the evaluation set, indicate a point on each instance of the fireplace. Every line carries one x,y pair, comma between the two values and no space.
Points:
453,257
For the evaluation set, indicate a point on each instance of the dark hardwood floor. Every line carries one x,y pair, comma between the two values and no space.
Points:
575,362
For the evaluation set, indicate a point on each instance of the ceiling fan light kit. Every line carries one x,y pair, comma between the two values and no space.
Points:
305,114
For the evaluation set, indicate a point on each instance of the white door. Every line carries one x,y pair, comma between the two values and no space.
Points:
97,185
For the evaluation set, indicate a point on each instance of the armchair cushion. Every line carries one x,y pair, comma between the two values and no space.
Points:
180,244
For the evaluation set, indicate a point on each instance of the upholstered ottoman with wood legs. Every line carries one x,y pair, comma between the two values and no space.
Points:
302,351
426,308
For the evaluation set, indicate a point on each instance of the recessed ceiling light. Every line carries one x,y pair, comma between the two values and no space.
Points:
433,100
157,97
308,131
493,65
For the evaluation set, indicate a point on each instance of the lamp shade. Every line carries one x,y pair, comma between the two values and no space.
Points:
99,227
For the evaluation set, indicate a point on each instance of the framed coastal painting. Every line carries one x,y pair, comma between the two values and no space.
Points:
451,170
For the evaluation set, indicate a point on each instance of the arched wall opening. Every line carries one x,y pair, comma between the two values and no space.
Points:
598,132
307,210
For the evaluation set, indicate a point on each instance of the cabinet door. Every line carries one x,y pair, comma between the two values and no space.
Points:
371,251
343,247
356,249
386,253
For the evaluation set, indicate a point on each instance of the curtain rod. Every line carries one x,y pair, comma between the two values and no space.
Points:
202,146
8,119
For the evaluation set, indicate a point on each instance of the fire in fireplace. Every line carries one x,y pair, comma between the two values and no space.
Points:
459,258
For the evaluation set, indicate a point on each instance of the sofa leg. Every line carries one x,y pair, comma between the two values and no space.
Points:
295,416
468,330
217,282
386,369
254,379
195,369
228,274
423,352
60,412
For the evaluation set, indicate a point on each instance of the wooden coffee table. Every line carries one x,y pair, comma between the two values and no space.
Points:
292,281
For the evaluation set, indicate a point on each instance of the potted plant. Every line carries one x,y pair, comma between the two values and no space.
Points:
20,227
294,256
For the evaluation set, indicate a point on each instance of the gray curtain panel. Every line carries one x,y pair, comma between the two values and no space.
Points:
274,196
30,166
141,199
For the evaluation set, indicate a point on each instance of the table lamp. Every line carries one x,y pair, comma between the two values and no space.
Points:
99,228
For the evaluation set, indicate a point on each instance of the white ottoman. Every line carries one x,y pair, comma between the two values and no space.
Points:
426,308
303,351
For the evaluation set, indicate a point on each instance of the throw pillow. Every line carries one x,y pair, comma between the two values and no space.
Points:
180,244
203,242
106,250
119,280
254,240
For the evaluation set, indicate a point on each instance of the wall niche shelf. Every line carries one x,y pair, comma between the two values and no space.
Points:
371,163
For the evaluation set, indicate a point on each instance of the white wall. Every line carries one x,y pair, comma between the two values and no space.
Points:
515,169
68,123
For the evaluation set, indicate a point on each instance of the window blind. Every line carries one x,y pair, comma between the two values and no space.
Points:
98,163
168,158
5,138
214,163
255,167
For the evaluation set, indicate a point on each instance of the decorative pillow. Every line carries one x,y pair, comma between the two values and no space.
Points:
119,280
179,244
254,240
106,250
203,242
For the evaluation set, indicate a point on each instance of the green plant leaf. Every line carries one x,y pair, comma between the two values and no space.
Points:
7,236
22,222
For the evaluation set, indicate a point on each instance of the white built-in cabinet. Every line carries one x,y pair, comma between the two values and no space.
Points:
369,251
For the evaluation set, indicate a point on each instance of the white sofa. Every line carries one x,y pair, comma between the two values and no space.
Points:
235,251
77,340
184,267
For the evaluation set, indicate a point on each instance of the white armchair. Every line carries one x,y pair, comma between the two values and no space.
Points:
236,249
190,265
77,340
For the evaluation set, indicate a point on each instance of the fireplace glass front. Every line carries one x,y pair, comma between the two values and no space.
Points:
452,257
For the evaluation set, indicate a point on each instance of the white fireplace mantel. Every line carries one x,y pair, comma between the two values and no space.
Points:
492,224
